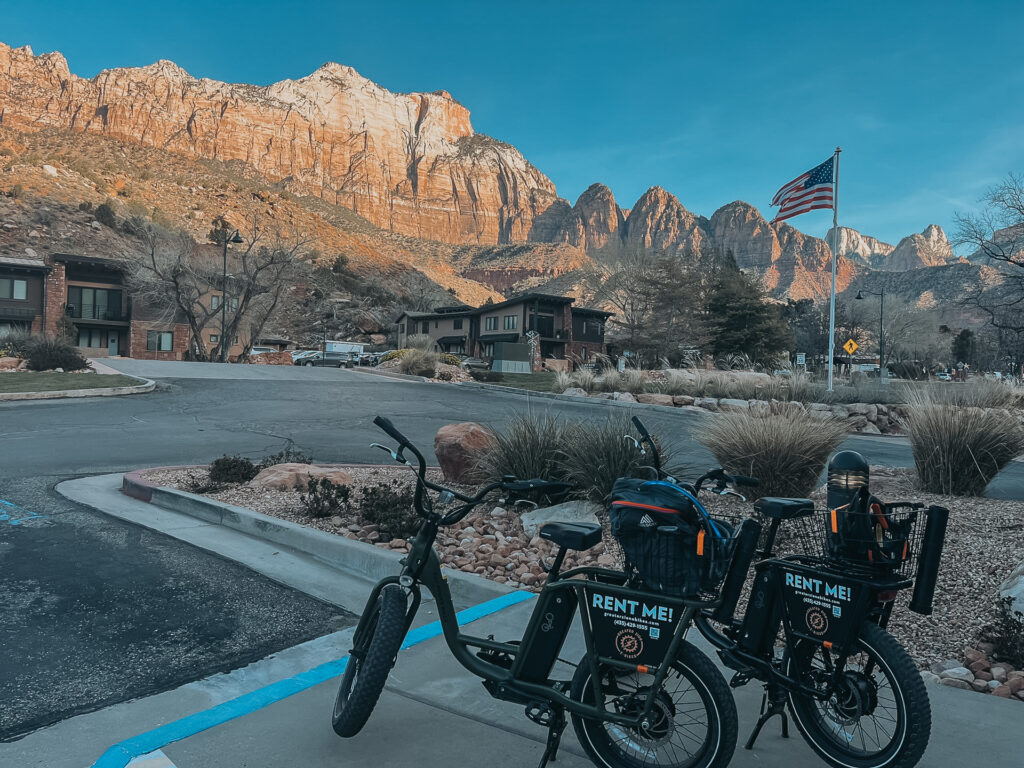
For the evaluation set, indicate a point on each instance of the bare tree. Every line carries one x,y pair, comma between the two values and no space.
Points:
176,279
996,236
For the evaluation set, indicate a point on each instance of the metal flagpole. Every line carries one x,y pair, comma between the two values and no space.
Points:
835,259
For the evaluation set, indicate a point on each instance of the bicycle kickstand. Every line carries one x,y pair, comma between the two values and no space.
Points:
556,725
772,703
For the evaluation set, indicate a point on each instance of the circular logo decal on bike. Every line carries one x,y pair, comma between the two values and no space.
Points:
629,644
816,620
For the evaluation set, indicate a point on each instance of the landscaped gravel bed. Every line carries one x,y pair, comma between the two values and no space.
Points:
490,542
984,542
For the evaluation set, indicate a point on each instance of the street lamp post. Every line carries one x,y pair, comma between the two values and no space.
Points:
235,238
881,329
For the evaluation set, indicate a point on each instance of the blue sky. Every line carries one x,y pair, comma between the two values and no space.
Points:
715,101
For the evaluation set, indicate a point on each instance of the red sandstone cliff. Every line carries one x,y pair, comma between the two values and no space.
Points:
410,163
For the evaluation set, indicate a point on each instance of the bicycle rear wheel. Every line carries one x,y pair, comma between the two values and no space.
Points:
370,662
879,717
693,723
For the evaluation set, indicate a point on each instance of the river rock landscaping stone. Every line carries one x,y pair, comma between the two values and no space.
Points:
293,476
730,405
575,392
650,398
957,673
567,512
458,447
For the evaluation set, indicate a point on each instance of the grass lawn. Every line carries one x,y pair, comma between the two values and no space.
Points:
538,382
48,381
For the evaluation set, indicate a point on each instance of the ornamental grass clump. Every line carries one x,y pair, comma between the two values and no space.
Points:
957,450
786,449
596,453
419,363
528,446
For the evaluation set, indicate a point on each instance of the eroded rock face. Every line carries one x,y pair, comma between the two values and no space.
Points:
458,448
858,247
926,249
407,162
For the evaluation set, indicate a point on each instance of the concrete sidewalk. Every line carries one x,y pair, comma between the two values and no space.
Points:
433,712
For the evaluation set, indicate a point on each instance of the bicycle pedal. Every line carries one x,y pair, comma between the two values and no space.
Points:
741,678
539,713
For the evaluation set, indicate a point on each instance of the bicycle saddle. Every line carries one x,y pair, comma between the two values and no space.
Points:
577,536
783,509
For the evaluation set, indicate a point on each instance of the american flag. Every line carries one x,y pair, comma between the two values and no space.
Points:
807,192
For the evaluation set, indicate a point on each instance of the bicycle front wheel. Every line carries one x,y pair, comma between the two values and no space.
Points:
370,662
692,723
877,716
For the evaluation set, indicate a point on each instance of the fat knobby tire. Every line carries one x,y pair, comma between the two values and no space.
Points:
714,692
907,684
368,667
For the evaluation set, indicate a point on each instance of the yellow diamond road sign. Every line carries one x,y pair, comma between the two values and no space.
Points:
851,346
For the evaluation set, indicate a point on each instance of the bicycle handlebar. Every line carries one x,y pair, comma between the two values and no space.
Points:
422,502
645,437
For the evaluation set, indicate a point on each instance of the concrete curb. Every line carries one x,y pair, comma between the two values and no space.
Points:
391,374
354,557
148,385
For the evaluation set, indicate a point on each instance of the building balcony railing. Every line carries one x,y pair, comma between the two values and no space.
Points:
18,313
95,312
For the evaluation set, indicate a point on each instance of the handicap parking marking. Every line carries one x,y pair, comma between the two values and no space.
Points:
122,754
153,760
10,519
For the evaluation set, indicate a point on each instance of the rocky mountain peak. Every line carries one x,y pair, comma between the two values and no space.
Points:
599,216
929,248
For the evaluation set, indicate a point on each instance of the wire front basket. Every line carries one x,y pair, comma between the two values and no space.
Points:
877,541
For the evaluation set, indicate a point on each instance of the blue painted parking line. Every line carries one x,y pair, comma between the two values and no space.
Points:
10,519
120,755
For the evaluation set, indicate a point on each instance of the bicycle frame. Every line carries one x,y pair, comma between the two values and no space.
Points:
812,604
526,680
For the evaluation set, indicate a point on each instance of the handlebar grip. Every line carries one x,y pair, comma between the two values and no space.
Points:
641,428
389,428
752,482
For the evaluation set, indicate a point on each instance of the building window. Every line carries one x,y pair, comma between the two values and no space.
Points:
214,338
235,340
436,323
491,324
426,327
457,324
91,337
489,348
583,353
234,303
13,289
511,322
401,327
159,341
214,302
94,303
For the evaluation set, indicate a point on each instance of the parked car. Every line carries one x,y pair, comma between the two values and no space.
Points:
297,353
943,376
261,350
332,360
475,364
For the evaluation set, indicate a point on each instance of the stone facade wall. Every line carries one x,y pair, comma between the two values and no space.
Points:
55,296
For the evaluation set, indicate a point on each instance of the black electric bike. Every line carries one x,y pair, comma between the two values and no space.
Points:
814,631
640,696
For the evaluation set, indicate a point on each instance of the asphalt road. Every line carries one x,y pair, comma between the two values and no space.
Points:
97,611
